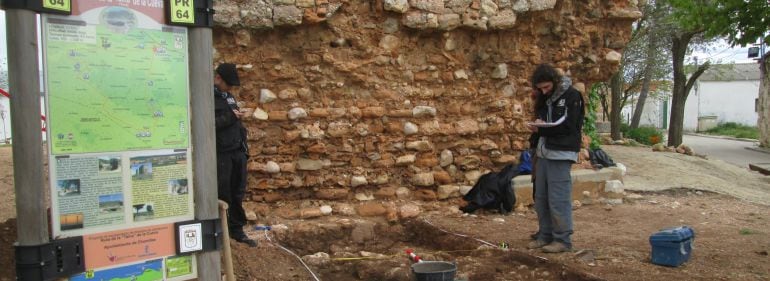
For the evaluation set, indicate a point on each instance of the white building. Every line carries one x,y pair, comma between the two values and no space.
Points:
727,93
5,119
724,93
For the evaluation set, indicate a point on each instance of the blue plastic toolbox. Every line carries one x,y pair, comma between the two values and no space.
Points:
672,246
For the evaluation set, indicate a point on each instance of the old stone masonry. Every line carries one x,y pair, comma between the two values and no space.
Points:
386,99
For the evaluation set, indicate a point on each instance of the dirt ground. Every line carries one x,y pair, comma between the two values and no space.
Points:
727,206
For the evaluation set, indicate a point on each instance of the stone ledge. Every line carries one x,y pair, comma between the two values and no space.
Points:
590,181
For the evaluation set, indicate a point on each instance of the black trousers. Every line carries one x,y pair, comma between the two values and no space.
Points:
231,187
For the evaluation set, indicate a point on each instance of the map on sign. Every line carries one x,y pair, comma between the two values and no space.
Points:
116,80
146,271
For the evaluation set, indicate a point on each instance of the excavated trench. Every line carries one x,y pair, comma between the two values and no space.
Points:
365,250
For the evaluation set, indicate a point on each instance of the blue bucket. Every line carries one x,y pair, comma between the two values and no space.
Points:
434,271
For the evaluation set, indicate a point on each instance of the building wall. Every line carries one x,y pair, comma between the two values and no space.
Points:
729,101
376,99
5,109
652,114
5,113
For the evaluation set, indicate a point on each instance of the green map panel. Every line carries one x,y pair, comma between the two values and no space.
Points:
116,90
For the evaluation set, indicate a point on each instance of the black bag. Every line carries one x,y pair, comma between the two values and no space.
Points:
600,158
493,190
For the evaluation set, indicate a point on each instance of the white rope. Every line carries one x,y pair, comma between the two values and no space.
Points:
293,254
461,235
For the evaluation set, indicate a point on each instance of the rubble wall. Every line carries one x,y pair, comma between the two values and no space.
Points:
401,99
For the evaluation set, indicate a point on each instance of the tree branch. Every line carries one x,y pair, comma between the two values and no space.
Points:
695,75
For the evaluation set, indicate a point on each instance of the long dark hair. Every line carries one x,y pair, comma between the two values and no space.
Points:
544,73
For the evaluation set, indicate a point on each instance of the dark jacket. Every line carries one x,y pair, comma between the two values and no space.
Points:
230,132
566,136
493,190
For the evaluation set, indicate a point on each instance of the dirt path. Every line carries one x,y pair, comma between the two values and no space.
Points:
732,233
656,171
8,201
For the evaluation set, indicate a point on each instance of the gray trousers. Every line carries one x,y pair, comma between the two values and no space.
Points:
553,200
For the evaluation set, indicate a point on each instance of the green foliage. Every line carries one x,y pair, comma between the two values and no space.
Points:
735,130
645,134
740,21
747,231
589,126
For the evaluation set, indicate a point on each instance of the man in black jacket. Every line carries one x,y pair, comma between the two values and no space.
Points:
232,150
559,109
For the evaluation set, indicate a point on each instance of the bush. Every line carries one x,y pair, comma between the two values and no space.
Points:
735,130
646,135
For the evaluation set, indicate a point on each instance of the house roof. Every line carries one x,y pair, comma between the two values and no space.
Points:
731,72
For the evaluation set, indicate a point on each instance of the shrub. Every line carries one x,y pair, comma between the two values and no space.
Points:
735,130
646,135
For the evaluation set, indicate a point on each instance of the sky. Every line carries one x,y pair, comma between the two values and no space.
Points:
721,52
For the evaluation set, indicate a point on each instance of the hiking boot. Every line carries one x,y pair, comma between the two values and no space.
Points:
555,247
243,238
534,236
536,244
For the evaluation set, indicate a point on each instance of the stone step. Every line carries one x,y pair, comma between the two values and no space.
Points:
587,185
762,168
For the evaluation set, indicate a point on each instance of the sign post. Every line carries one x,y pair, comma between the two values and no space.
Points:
24,83
128,97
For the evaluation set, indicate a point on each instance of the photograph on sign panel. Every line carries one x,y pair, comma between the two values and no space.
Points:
144,212
71,221
69,187
112,203
179,266
109,164
177,186
141,170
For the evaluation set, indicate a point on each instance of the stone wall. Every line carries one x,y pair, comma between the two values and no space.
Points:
401,99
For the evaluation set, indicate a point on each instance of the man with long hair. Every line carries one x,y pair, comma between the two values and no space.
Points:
559,112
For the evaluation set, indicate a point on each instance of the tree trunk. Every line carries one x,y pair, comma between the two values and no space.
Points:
648,69
682,86
763,106
616,88
679,96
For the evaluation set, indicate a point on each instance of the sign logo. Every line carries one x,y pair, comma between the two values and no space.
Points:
190,237
182,11
59,5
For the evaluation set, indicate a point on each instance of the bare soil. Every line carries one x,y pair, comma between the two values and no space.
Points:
726,205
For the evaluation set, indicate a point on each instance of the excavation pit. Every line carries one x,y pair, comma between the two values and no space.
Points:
370,249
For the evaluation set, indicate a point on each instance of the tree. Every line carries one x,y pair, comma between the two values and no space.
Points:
741,22
683,33
655,65
644,61
682,84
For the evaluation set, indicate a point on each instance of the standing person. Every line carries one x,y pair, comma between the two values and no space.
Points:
559,112
232,151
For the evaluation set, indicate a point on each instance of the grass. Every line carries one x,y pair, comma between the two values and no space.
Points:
736,130
747,231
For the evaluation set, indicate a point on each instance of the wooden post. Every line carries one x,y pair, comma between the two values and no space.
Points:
24,86
203,141
226,250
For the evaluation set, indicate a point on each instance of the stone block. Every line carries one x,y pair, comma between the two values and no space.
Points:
332,194
371,209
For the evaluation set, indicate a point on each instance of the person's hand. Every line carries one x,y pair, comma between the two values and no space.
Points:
533,128
238,113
